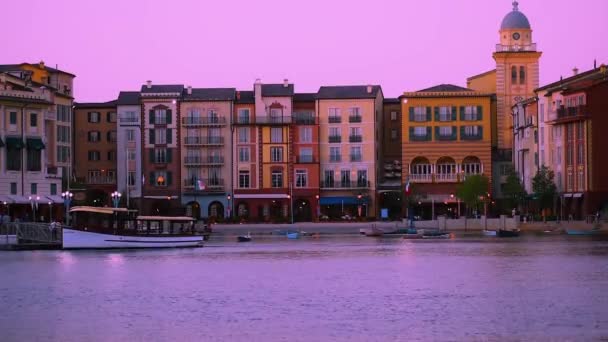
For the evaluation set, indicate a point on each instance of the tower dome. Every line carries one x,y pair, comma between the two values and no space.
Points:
515,19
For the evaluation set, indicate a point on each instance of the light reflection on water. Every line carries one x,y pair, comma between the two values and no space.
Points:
347,288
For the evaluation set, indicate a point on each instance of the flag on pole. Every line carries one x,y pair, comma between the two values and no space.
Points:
407,185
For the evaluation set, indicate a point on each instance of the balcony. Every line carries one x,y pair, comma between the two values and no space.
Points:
128,119
569,114
421,178
101,180
355,118
355,158
335,139
306,159
336,158
203,121
198,141
201,160
243,120
209,185
355,138
305,119
446,178
54,172
515,48
273,120
334,119
345,184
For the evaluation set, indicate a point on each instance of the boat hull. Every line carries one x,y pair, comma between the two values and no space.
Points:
244,238
293,235
508,233
78,239
489,233
580,232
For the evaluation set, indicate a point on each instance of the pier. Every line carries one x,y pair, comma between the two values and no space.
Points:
30,235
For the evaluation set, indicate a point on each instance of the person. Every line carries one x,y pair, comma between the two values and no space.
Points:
513,212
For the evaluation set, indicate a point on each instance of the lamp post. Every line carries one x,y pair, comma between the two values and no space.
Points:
116,198
359,204
8,209
67,200
50,212
34,204
229,198
318,207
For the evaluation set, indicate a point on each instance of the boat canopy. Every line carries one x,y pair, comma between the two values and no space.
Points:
99,210
165,218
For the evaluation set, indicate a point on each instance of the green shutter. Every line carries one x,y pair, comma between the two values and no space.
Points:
461,113
454,113
411,133
169,178
151,116
428,114
429,133
436,114
152,137
436,132
462,132
454,129
411,114
480,134
169,155
479,112
152,156
151,178
169,136
168,116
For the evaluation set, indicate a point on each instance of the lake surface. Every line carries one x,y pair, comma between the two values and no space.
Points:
334,288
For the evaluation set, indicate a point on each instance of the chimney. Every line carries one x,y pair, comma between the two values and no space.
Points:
238,94
189,90
149,84
369,89
595,64
285,83
575,71
41,65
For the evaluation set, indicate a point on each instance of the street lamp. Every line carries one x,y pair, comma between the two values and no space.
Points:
67,200
116,198
229,198
359,204
34,204
458,200
50,212
318,207
8,210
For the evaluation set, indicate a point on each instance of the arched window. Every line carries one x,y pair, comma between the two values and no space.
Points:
522,74
513,75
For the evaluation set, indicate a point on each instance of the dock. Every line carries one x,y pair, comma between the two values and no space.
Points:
30,236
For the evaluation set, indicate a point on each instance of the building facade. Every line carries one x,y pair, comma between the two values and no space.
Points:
390,192
129,154
525,141
350,120
446,137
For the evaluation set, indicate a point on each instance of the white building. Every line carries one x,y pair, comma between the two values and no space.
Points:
128,158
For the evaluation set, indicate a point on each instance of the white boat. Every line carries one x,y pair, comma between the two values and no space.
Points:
95,227
489,232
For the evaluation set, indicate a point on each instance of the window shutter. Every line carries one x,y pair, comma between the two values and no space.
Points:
151,116
480,134
454,129
428,114
152,137
437,133
479,112
152,161
169,178
411,114
89,116
436,114
169,136
462,137
152,180
461,113
454,113
411,133
169,156
429,133
168,116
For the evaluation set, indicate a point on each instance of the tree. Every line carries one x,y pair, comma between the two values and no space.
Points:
544,188
473,190
513,190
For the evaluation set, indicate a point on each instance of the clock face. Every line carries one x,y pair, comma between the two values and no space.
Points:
516,36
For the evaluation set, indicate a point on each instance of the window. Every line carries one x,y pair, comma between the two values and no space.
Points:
161,178
33,120
276,113
276,134
243,115
345,178
470,113
93,176
334,135
581,180
362,178
243,154
301,178
542,136
243,134
329,178
111,117
355,153
470,131
93,117
581,100
471,168
513,75
160,136
12,118
445,113
94,155
160,156
53,189
276,154
34,160
244,179
130,135
522,74
111,136
63,154
420,131
94,136
393,116
355,131
131,155
111,155
420,114
569,155
393,134
334,115
305,155
13,188
160,117
63,134
129,116
131,178
580,132
559,154
305,134
334,154
445,131
34,188
13,159
277,179
580,153
542,112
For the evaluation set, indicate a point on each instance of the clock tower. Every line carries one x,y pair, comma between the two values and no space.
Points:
517,73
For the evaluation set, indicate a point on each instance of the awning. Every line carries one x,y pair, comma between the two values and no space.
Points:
14,143
5,199
16,199
55,199
347,200
35,144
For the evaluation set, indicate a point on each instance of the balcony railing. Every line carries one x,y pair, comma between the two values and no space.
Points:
53,172
305,119
355,118
273,120
209,185
335,158
335,139
355,138
128,119
355,157
345,184
306,159
515,48
571,112
192,141
101,180
203,121
421,178
334,119
446,177
202,160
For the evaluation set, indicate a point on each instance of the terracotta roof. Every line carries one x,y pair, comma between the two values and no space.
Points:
108,104
482,74
567,80
444,88
348,92
209,94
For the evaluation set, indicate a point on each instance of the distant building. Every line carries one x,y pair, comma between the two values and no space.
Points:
525,141
129,169
390,192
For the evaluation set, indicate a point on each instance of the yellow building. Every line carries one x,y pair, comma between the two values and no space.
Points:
446,136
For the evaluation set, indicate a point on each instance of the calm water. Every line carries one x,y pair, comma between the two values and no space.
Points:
339,289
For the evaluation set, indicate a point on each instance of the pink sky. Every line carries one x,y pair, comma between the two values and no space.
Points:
404,45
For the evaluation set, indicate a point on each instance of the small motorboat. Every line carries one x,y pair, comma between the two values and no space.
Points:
374,232
507,233
244,238
293,235
489,232
581,232
435,235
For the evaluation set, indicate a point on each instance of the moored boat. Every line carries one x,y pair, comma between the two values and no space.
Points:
96,228
293,235
435,235
244,238
489,232
581,232
374,232
507,233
